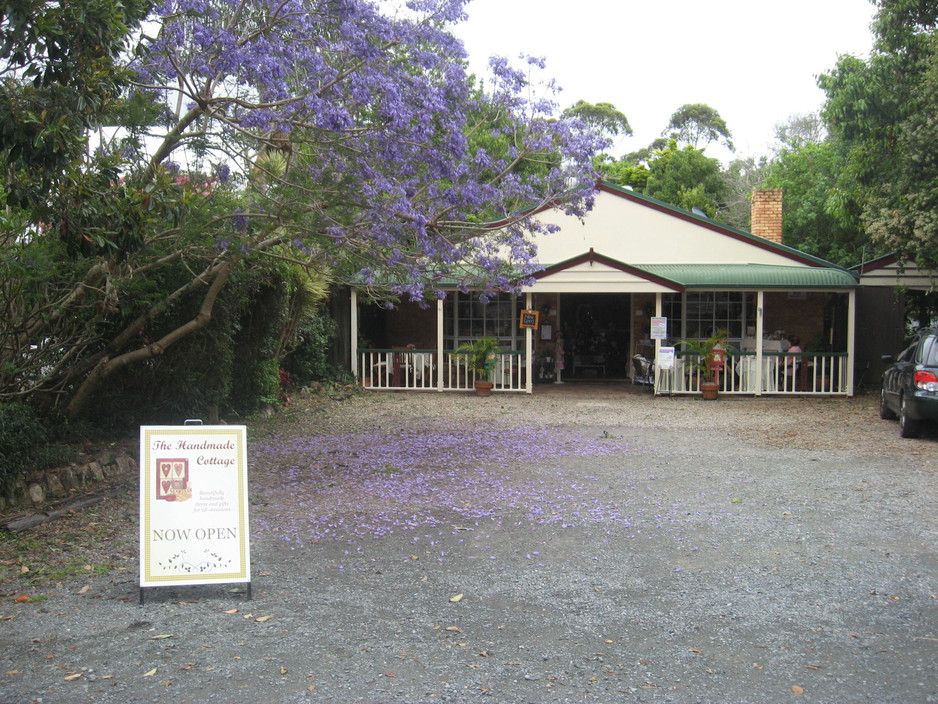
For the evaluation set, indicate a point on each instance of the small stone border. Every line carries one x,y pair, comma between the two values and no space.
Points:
37,488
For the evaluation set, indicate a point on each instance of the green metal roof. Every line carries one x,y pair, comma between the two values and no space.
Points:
751,276
718,276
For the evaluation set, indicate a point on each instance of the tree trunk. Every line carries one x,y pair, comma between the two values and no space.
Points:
107,365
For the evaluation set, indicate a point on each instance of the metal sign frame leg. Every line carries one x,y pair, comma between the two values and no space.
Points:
249,592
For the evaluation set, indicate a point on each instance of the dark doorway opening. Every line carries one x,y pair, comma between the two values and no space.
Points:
595,327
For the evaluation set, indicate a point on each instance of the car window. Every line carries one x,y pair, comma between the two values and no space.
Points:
930,351
908,354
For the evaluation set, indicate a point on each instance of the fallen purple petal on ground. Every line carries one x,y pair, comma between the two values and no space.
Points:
376,482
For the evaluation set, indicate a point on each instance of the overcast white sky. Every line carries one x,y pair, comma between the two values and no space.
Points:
755,62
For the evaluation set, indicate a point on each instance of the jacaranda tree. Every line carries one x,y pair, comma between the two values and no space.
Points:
325,133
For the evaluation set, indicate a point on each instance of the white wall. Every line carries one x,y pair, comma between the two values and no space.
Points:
635,233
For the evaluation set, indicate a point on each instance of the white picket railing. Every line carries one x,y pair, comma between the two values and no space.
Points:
781,373
419,369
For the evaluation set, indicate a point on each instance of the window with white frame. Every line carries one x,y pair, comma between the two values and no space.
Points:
469,316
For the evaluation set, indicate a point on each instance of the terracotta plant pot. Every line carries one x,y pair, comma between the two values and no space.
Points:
710,390
483,388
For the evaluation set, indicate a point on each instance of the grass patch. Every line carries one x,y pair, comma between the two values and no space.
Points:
388,469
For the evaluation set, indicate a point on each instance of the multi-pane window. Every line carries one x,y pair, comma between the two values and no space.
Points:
475,318
673,309
700,315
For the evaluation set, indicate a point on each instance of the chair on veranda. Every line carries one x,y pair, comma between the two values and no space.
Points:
642,371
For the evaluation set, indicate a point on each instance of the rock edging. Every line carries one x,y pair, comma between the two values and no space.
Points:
37,488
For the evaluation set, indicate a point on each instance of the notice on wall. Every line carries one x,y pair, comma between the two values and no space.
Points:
193,505
659,328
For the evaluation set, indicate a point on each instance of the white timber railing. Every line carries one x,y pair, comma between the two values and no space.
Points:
808,373
408,369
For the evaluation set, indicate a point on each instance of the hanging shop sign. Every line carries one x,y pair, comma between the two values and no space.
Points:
193,505
529,319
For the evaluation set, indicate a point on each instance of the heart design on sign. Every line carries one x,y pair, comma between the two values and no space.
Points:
165,471
166,486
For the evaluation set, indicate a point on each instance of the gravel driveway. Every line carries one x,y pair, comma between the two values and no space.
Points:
584,544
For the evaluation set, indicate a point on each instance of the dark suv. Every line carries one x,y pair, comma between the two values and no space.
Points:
910,384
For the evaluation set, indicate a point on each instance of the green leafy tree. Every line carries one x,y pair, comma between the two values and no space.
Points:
742,177
821,214
61,73
697,125
624,172
686,178
603,118
903,213
882,111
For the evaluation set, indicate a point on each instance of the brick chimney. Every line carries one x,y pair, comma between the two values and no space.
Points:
767,213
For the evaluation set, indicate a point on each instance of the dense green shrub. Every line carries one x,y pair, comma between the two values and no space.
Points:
227,366
255,347
258,386
230,367
310,360
190,380
25,443
21,434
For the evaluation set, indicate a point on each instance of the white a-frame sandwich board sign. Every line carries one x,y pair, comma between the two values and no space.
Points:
193,506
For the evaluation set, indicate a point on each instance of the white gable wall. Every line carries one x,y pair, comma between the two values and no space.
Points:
596,277
890,276
634,233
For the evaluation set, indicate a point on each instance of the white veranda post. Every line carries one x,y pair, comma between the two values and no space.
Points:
851,337
528,349
439,344
760,331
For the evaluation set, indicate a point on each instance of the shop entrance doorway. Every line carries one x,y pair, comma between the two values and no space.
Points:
596,329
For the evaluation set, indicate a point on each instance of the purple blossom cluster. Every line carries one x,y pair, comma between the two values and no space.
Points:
371,142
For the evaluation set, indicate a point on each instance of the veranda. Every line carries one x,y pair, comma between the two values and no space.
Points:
756,364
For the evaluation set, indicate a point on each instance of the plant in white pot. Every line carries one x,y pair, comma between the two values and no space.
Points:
709,356
480,358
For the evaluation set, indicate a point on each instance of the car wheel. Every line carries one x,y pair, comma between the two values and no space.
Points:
885,412
908,428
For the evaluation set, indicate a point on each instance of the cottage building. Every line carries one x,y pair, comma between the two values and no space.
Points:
633,276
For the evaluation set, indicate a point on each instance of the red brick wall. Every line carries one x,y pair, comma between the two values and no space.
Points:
796,316
767,213
409,324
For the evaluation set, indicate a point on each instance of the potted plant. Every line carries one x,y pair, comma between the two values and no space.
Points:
707,362
480,358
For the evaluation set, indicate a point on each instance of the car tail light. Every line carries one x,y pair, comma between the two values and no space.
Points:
927,381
